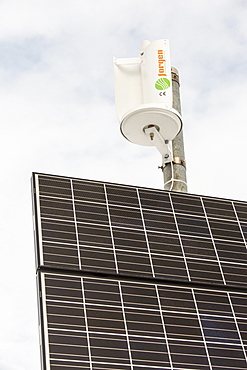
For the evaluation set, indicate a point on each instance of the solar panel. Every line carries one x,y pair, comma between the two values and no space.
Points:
134,278
96,322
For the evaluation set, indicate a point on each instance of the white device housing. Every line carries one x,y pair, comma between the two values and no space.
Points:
143,92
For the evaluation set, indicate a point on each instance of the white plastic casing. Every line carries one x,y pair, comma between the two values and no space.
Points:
167,122
143,92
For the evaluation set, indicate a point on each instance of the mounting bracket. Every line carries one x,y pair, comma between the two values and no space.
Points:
164,146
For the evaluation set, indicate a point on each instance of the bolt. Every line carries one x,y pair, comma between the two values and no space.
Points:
166,156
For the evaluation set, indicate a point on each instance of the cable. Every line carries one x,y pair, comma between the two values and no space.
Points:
172,180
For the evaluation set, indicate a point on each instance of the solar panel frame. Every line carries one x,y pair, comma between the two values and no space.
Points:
116,233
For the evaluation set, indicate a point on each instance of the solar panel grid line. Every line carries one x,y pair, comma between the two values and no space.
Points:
165,310
55,197
125,326
161,221
241,210
209,238
65,365
202,332
186,204
200,343
220,219
219,360
133,336
201,272
215,328
187,330
89,213
214,332
136,308
187,216
114,205
237,326
239,303
184,357
38,232
224,263
239,365
146,236
136,251
160,202
51,182
232,274
190,204
212,289
56,263
44,321
181,244
128,196
133,262
52,208
78,222
86,324
56,179
125,219
239,280
164,327
151,210
231,252
216,252
58,231
222,230
108,367
239,224
151,231
75,222
148,230
219,208
213,302
112,236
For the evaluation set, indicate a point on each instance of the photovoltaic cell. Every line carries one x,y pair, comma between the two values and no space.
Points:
142,325
134,278
85,224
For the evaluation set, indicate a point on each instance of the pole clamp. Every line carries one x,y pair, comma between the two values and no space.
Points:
179,160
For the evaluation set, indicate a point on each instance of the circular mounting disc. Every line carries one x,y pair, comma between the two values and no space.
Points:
168,122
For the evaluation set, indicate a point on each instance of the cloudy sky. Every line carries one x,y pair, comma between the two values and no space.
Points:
57,115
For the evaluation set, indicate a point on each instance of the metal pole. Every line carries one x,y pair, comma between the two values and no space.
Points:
175,172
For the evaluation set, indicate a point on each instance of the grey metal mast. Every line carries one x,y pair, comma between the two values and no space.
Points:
175,171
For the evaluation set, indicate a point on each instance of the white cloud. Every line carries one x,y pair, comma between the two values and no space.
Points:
58,116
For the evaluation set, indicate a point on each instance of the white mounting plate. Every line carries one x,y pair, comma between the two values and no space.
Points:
167,121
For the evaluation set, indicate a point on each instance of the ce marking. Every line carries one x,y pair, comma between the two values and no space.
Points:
163,93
